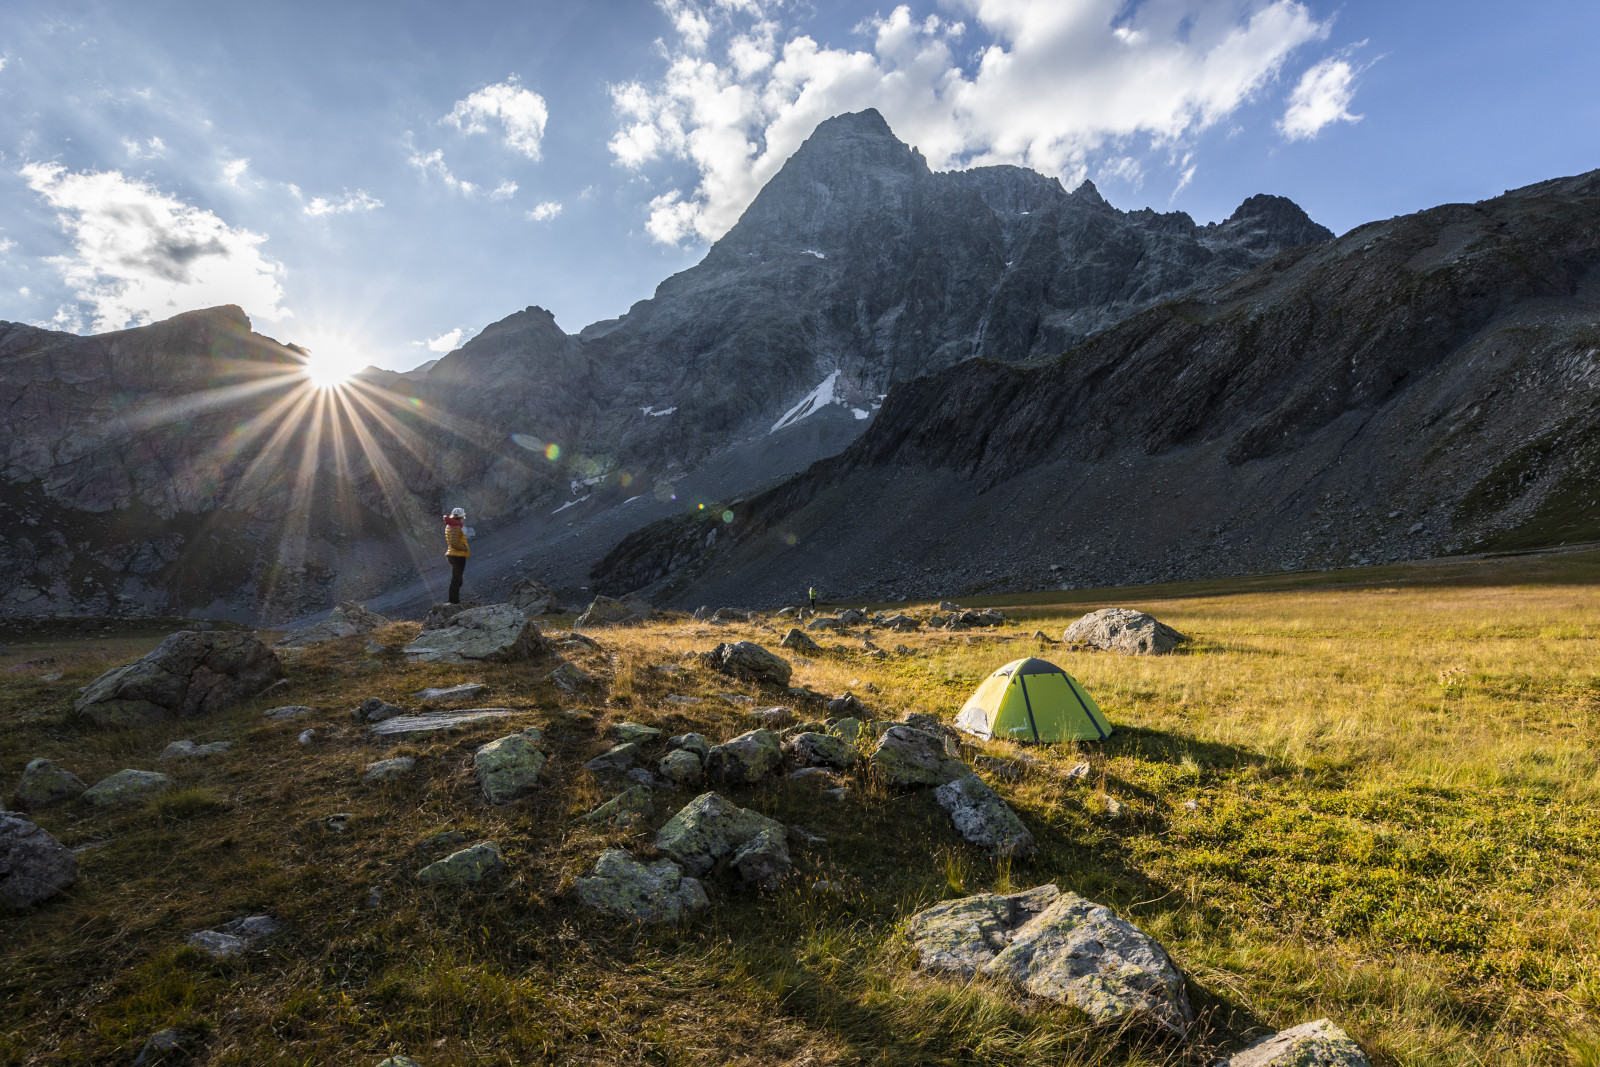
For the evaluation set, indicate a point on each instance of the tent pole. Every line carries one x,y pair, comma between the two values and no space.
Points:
1023,681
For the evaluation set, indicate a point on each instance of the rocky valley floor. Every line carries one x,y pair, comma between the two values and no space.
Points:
1371,799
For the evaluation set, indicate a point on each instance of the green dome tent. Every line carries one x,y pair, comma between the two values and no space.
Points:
1031,700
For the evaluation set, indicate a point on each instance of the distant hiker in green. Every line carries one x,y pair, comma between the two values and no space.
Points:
456,550
813,598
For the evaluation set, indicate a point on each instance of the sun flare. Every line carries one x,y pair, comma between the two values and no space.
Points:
332,360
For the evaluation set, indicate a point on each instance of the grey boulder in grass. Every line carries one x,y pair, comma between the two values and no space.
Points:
908,756
746,759
494,633
710,827
45,784
190,673
624,809
748,660
127,787
1133,633
626,888
467,867
983,817
232,938
821,750
1314,1044
33,865
508,767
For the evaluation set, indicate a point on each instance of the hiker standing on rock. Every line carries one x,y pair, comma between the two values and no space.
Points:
456,550
813,600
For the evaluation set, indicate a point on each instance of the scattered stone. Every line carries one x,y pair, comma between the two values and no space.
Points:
930,724
345,620
127,787
1133,633
190,673
617,758
838,792
847,729
904,650
999,768
643,777
232,938
507,767
908,756
376,709
496,632
288,711
945,605
803,697
1314,1044
821,750
401,725
797,641
307,736
606,611
748,660
738,699
1191,805
626,888
1078,770
695,743
961,937
808,772
764,861
34,866
442,616
1044,638
399,1061
467,867
847,706
681,767
771,717
824,622
635,731
624,809
572,640
710,827
389,770
585,715
451,694
337,823
832,889
746,759
569,677
674,698
1113,807
984,818
44,784
179,749
443,839
168,1047
532,597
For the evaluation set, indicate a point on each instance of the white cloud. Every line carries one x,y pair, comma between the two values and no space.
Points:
359,200
545,211
504,191
7,244
1322,98
150,149
521,113
233,170
433,163
140,254
445,342
1059,85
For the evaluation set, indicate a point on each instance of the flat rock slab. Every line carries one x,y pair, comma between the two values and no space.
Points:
1314,1044
232,938
45,784
127,787
467,867
179,749
494,632
288,711
439,720
626,888
451,694
33,865
616,758
961,937
637,732
983,817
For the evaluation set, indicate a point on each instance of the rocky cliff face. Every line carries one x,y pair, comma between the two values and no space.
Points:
185,466
1419,386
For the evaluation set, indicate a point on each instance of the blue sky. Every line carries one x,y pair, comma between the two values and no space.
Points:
379,180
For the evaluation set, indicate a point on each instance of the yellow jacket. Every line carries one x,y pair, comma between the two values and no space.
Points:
455,540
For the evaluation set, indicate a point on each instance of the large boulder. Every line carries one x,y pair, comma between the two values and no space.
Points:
45,784
763,861
746,759
1315,1044
708,828
345,620
33,865
607,611
467,867
191,672
495,632
626,888
1133,633
681,767
507,767
984,818
1070,950
908,756
797,641
532,597
748,660
821,750
127,787
442,616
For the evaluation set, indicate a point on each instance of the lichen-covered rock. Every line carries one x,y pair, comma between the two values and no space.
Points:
823,622
1124,630
1314,1044
847,729
495,632
33,865
681,767
127,787
846,706
962,936
507,767
746,759
984,818
748,660
626,888
635,731
763,861
708,828
1080,953
389,770
288,711
606,611
376,709
616,758
44,784
235,936
696,743
532,597
908,756
821,750
180,749
569,677
190,673
797,641
345,620
624,809
467,867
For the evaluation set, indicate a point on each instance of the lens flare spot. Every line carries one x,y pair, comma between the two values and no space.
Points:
625,479
727,516
789,539
702,507
552,451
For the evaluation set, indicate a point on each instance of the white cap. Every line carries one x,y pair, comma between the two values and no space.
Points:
458,513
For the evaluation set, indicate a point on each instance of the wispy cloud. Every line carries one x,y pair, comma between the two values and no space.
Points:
140,254
545,211
504,191
359,200
7,244
150,149
233,171
1322,97
433,164
521,113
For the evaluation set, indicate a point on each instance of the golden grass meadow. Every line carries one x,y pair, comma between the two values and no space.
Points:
1395,823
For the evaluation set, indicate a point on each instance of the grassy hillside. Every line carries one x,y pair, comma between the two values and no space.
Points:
1396,824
